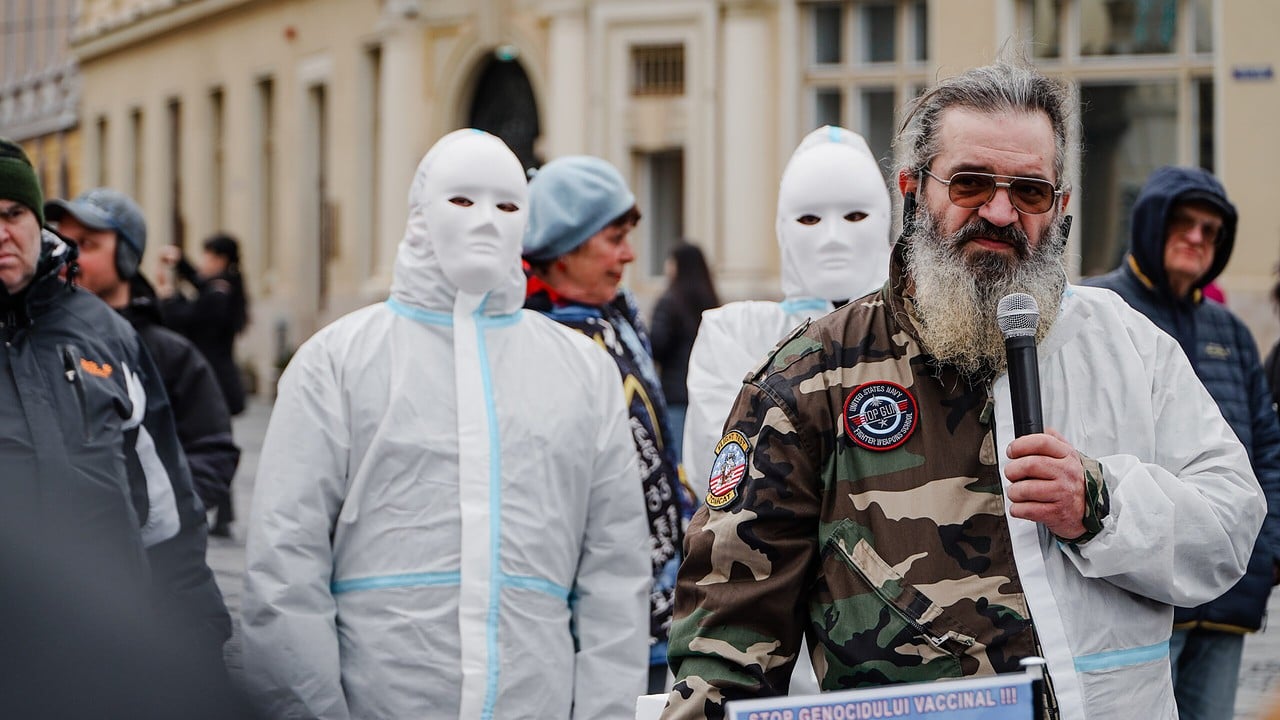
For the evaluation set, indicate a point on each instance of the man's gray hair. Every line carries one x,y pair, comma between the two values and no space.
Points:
1011,84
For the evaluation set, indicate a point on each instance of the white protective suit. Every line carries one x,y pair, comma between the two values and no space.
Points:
447,522
831,175
1183,516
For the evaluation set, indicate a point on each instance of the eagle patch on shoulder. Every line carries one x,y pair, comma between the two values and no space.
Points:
728,470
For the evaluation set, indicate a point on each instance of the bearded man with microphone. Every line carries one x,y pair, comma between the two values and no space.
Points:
889,487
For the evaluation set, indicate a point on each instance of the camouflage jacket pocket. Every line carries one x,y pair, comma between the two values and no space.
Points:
871,599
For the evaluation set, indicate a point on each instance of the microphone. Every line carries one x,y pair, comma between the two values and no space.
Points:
1017,315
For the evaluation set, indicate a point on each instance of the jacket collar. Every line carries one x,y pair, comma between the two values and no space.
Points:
47,283
1197,294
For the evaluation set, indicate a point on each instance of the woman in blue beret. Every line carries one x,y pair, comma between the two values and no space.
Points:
577,245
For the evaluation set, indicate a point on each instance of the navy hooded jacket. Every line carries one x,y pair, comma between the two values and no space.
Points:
1225,358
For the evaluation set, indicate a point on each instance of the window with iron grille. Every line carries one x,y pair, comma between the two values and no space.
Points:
657,69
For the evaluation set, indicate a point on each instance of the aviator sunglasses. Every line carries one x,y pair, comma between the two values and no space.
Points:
1031,196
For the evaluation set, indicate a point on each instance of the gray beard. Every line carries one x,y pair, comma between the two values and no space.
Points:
956,296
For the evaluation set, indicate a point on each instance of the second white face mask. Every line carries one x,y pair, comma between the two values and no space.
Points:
833,223
475,207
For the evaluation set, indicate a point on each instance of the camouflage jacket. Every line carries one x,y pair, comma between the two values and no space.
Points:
856,499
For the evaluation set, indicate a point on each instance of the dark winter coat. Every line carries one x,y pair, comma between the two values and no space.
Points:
199,409
211,322
90,456
1225,358
672,333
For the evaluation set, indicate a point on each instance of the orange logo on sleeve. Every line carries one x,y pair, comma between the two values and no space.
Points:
94,369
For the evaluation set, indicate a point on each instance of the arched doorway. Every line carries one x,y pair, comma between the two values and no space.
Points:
504,105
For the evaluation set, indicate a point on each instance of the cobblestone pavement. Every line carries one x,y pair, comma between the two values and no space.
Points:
1259,672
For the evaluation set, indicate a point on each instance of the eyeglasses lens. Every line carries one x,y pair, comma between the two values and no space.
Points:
1210,232
971,190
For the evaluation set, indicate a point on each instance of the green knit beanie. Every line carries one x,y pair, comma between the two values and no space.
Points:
18,181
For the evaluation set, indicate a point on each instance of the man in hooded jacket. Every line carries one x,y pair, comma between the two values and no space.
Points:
92,464
446,522
1183,231
833,233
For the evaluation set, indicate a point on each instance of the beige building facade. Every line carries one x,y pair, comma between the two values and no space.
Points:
296,124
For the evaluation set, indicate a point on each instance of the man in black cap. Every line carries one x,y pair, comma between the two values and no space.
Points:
1183,230
108,228
94,481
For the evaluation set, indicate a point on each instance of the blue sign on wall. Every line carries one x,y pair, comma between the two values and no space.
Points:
1001,697
1255,73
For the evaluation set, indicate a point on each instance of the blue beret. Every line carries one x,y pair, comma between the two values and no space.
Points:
571,199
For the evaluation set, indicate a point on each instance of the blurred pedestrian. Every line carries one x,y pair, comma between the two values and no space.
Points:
219,312
446,522
676,318
832,225
1184,229
108,229
577,244
92,464
81,641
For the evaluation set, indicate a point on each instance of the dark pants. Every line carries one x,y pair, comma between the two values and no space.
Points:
1206,670
224,515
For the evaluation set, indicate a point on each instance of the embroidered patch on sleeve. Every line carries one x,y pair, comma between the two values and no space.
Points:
727,471
879,416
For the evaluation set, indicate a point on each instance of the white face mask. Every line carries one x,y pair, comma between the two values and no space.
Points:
475,202
833,223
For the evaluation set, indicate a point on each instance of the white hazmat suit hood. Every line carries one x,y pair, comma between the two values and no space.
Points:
833,218
833,225
446,522
478,202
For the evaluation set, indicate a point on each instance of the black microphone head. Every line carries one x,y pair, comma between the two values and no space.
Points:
1017,315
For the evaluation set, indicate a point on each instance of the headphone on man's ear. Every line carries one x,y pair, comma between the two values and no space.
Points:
127,259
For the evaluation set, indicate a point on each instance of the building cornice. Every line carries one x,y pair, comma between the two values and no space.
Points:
100,34
747,7
42,104
42,127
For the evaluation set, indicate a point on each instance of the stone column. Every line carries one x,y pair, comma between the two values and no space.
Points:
747,252
567,101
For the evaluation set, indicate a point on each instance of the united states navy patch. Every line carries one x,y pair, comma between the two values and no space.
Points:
880,415
727,471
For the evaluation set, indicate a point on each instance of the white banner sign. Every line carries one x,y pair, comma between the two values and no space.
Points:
1000,697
